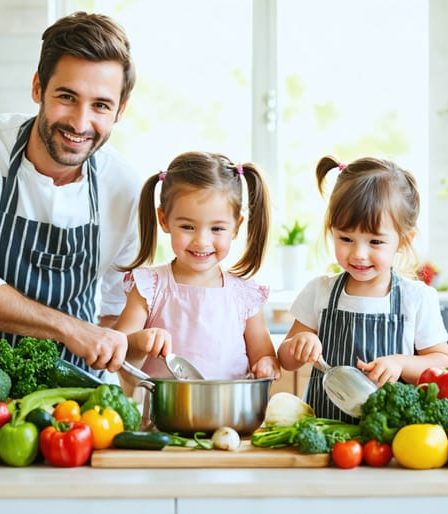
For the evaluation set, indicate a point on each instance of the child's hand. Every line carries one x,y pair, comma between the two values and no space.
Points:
303,347
267,367
150,342
382,369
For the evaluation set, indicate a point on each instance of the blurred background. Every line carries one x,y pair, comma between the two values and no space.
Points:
278,82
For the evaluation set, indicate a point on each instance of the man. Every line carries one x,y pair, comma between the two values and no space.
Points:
67,203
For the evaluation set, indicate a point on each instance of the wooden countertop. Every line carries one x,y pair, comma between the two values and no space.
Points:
41,481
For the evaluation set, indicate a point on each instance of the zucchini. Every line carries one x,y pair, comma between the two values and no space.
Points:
65,374
141,440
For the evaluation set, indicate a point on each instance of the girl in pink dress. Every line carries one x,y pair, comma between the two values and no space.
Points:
191,306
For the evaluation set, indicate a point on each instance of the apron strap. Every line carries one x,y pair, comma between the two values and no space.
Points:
8,199
395,295
336,291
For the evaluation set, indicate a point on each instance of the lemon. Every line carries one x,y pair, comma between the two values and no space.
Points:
421,446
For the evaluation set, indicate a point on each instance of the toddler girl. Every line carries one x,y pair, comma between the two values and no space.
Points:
191,306
387,325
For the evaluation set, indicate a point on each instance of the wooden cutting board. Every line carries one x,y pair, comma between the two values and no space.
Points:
247,456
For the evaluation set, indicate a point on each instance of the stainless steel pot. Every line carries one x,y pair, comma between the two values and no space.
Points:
190,406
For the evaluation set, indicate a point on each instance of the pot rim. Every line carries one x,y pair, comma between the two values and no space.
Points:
212,381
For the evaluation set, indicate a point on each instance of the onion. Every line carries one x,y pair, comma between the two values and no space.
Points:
226,438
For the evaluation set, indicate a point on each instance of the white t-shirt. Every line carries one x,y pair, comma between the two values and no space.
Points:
423,325
68,206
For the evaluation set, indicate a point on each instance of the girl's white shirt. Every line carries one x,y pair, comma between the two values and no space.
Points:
423,326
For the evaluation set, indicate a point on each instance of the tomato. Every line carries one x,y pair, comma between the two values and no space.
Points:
5,414
430,375
437,375
421,446
377,454
67,411
347,454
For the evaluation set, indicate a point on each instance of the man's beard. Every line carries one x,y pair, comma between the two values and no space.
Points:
66,156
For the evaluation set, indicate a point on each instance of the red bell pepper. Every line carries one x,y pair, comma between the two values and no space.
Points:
438,376
66,444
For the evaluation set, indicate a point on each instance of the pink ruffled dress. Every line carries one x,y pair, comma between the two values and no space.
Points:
206,324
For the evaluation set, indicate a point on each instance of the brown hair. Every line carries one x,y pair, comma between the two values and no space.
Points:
365,190
201,170
94,37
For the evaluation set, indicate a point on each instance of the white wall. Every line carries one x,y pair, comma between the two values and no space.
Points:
21,25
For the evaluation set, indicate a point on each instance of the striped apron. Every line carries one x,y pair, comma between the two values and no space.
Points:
56,266
345,336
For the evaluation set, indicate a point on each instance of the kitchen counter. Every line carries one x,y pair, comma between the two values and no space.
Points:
183,491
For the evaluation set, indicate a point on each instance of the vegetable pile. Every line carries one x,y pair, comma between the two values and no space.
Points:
397,405
309,434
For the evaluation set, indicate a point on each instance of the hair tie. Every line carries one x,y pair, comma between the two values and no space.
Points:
239,169
162,176
341,166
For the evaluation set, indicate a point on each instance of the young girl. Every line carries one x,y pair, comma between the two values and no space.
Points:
191,306
389,326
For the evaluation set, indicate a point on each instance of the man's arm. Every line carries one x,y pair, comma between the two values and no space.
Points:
101,347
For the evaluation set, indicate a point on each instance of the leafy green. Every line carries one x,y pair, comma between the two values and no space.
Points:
28,364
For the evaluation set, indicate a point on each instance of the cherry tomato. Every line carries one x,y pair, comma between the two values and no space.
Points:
377,454
347,454
68,411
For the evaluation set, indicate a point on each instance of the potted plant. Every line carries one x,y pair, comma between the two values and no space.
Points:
293,254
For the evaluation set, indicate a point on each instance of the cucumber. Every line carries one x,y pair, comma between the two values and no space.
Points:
65,374
40,417
141,440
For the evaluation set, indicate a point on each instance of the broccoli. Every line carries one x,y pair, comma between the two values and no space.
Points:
397,404
111,395
29,364
309,434
318,435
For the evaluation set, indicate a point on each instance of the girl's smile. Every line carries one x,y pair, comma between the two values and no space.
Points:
202,226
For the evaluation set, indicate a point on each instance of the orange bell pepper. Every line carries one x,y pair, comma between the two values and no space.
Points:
105,424
68,411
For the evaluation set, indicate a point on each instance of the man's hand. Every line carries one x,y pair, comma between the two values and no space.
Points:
101,347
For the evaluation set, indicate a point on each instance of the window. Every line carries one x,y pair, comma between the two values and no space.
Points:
346,78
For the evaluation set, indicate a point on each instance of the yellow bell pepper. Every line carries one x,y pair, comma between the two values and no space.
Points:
105,425
421,446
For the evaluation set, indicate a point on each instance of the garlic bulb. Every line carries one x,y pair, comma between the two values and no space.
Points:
226,438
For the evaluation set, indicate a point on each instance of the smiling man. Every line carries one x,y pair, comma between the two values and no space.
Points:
67,202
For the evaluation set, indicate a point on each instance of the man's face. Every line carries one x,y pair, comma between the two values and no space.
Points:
78,109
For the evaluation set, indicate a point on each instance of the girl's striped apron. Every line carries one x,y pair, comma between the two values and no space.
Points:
345,336
56,266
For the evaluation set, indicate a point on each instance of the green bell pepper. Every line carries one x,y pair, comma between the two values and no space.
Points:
19,443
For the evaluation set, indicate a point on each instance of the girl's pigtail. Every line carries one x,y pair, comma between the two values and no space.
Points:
323,167
147,219
258,223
